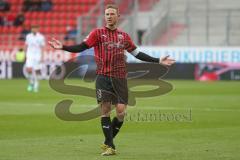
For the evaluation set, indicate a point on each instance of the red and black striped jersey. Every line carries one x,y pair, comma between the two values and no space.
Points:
109,47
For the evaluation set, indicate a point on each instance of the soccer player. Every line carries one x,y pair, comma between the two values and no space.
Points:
111,84
34,43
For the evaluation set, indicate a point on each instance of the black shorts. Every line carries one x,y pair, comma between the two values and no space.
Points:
109,89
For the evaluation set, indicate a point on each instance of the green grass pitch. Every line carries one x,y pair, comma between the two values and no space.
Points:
207,127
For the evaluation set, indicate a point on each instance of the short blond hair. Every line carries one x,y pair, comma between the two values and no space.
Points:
113,6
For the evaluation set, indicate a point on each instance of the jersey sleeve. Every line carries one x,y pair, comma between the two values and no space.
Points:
92,39
130,46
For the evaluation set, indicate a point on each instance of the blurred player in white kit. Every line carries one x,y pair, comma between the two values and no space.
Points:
35,43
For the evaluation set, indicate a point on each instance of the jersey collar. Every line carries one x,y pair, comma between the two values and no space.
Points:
110,29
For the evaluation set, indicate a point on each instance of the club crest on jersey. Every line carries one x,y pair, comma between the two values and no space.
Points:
104,37
113,45
120,37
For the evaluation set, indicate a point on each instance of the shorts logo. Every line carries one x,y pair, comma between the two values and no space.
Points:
99,94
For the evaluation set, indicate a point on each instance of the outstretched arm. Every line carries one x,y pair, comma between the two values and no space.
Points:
166,61
74,49
132,48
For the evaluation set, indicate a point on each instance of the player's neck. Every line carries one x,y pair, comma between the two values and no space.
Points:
111,27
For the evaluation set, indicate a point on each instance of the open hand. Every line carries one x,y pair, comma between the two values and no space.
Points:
166,61
56,44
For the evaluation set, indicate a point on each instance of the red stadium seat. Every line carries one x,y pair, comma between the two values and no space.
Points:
71,14
12,37
72,22
57,2
41,22
63,29
27,15
62,2
4,30
62,22
61,15
32,22
71,1
18,29
1,30
59,30
51,23
45,30
27,22
19,44
86,9
35,14
14,30
41,15
63,8
14,2
48,22
56,7
49,15
15,8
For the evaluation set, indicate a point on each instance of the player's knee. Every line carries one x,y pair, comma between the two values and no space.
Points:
121,115
106,113
106,109
120,108
121,111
